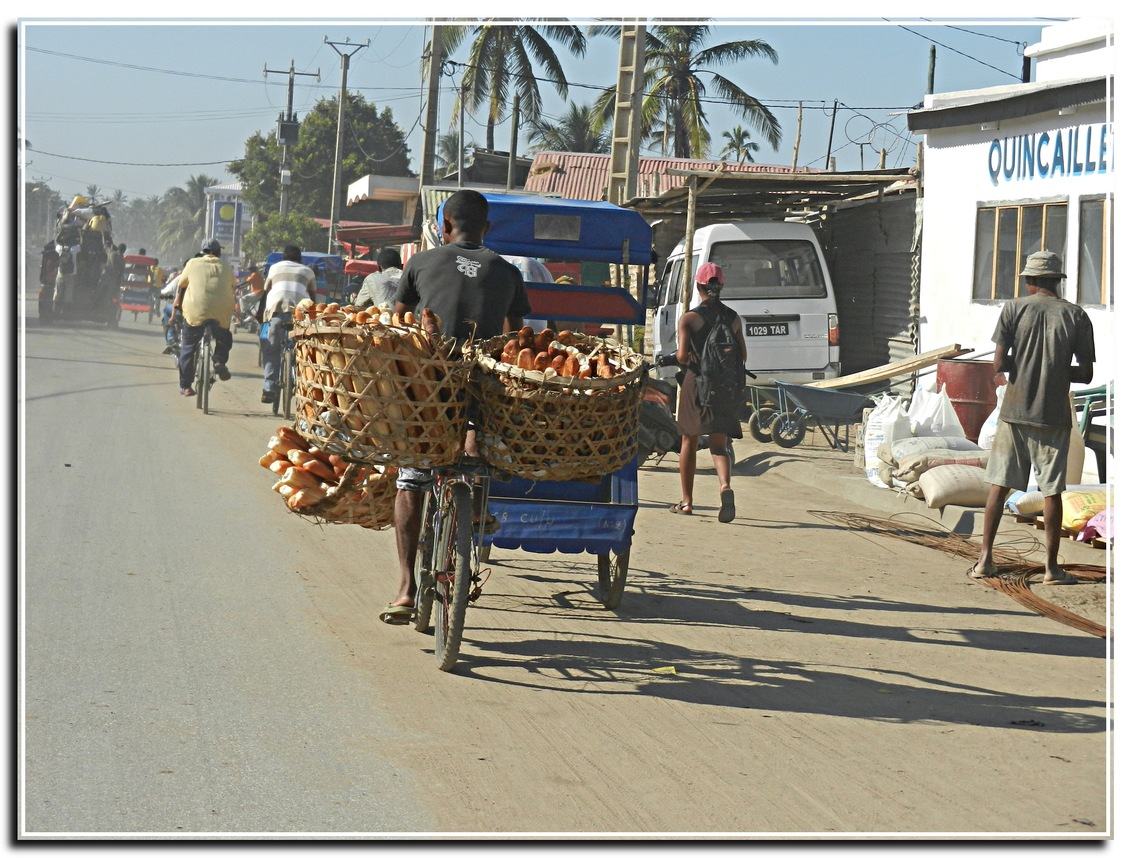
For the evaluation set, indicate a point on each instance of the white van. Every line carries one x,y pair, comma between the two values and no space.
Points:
775,277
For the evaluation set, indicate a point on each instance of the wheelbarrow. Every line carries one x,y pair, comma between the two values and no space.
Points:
832,411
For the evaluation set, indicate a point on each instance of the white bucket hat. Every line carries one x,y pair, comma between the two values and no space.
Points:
1044,263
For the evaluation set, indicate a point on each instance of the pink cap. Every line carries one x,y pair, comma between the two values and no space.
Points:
707,272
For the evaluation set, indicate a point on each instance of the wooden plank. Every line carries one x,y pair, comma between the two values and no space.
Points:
892,370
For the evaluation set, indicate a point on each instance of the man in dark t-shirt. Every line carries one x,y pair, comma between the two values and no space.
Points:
472,289
1037,338
475,292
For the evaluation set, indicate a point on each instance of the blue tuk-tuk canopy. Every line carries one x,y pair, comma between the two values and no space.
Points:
320,263
575,230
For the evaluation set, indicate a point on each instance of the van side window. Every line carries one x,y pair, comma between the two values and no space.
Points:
674,280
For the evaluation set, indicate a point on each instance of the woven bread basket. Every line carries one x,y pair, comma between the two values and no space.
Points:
379,394
541,426
363,496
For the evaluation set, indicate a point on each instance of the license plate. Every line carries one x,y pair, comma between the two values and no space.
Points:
773,329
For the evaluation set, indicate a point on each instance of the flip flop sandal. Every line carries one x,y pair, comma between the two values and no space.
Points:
1062,581
726,505
978,576
397,615
681,508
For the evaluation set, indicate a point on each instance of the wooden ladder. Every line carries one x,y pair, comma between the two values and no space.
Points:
625,142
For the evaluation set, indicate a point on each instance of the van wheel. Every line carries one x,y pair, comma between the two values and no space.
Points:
760,423
788,429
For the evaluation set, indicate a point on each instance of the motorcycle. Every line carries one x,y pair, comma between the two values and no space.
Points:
243,319
658,434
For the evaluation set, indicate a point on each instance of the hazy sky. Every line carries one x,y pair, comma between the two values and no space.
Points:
141,105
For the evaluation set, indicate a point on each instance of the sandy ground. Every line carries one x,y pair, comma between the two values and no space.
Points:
778,676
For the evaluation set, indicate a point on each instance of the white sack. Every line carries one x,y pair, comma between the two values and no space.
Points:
888,421
954,485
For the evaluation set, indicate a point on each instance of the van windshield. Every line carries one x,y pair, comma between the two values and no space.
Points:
774,268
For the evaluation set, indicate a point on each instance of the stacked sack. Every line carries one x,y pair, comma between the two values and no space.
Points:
1086,510
922,450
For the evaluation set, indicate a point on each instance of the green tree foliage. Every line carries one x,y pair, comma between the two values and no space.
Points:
574,132
678,80
506,59
41,203
183,215
275,231
372,143
447,152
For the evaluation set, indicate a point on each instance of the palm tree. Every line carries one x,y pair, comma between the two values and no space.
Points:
93,192
183,212
503,60
739,144
574,132
448,151
677,81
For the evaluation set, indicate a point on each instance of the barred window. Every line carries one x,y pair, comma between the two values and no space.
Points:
1094,257
1005,236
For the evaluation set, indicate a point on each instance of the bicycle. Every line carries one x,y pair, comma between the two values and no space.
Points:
285,377
447,568
204,372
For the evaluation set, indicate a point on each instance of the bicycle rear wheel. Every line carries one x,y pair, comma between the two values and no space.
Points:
288,388
423,568
453,571
206,372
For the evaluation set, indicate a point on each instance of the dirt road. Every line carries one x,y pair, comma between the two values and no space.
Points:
780,676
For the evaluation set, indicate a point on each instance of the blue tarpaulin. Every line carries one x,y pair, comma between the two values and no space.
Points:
576,230
321,263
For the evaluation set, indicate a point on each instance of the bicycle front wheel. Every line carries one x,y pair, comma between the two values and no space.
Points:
205,372
423,567
453,570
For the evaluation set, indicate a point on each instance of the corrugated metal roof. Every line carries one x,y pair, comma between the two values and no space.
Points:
578,176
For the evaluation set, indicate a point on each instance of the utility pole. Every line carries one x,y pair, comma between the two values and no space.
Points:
829,148
349,51
460,159
514,142
432,108
288,132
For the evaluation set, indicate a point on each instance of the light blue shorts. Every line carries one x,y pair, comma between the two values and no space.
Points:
1017,447
414,479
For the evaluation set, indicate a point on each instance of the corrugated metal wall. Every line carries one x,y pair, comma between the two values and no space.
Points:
869,247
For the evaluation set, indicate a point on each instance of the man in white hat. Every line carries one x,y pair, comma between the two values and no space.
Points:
1037,338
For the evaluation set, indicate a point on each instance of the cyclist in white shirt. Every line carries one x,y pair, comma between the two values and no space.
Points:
288,282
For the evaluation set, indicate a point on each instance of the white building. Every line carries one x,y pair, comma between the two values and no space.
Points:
1014,169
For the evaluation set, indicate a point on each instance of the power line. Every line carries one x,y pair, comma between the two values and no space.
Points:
957,51
137,164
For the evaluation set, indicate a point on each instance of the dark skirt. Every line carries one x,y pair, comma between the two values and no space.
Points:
692,419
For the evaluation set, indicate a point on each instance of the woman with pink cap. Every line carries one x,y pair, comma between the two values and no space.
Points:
692,417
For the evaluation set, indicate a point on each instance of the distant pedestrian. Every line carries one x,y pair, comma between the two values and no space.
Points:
1036,340
693,417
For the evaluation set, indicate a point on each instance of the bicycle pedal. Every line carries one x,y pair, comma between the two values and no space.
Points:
477,584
